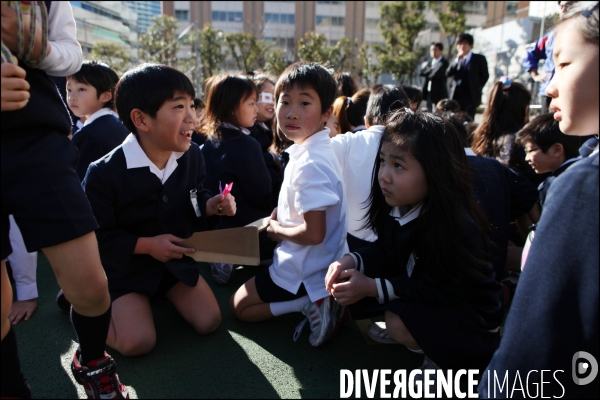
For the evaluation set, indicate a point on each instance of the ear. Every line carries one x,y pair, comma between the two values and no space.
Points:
327,114
367,124
140,120
556,150
106,97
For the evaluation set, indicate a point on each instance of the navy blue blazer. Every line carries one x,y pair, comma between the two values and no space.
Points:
238,158
133,203
504,195
97,139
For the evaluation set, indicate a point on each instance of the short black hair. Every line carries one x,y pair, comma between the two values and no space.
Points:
100,76
147,87
544,131
439,45
414,93
465,37
385,99
309,74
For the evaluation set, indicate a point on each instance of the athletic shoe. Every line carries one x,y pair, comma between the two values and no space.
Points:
377,332
62,302
428,365
99,378
221,272
325,317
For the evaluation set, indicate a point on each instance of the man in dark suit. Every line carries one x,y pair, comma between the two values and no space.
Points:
434,85
470,72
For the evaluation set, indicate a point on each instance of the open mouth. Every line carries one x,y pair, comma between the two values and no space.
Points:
187,134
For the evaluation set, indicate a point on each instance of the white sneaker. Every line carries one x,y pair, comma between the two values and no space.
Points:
377,332
325,317
221,272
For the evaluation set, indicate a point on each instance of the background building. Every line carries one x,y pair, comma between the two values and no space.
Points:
105,21
145,10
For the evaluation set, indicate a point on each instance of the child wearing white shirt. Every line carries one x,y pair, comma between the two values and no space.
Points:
310,220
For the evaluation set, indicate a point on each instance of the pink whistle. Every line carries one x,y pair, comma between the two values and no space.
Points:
227,189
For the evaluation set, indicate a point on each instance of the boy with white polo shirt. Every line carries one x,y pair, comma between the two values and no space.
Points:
310,220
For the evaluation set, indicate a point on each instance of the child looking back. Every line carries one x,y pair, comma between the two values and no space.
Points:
310,220
90,94
233,156
429,268
148,194
547,149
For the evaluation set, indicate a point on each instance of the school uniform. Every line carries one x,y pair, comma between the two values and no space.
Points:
555,311
456,324
101,132
39,184
356,154
545,185
264,136
237,159
504,195
312,182
132,198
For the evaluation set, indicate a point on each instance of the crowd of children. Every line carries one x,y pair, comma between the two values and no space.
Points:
377,206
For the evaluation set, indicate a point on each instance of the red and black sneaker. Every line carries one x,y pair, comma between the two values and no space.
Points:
99,378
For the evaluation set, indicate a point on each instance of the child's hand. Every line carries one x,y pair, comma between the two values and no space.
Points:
221,205
356,288
15,89
163,247
274,228
335,269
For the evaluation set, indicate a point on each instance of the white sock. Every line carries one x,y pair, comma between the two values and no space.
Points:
285,307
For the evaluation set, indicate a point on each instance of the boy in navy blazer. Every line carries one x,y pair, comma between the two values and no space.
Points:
148,194
90,95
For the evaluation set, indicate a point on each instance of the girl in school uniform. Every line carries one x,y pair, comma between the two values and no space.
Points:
553,321
429,271
233,156
262,131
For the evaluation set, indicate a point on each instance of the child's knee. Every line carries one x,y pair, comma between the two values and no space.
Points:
95,296
209,322
136,346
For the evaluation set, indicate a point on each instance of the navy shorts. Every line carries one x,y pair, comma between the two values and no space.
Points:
269,292
42,190
167,281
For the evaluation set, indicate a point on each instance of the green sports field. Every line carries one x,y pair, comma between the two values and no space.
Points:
238,360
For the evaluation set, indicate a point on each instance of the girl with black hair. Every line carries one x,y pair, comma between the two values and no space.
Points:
233,156
429,272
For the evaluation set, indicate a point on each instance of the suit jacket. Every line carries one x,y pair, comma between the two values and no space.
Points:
477,75
133,203
97,139
437,77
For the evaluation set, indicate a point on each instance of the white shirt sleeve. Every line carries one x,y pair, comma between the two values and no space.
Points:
23,264
340,144
313,188
66,56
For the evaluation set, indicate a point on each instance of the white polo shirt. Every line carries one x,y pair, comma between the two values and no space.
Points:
312,182
356,153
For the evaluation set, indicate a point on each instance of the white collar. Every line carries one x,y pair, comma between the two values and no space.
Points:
232,126
100,113
359,128
469,151
264,126
436,60
136,158
595,150
321,136
408,216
